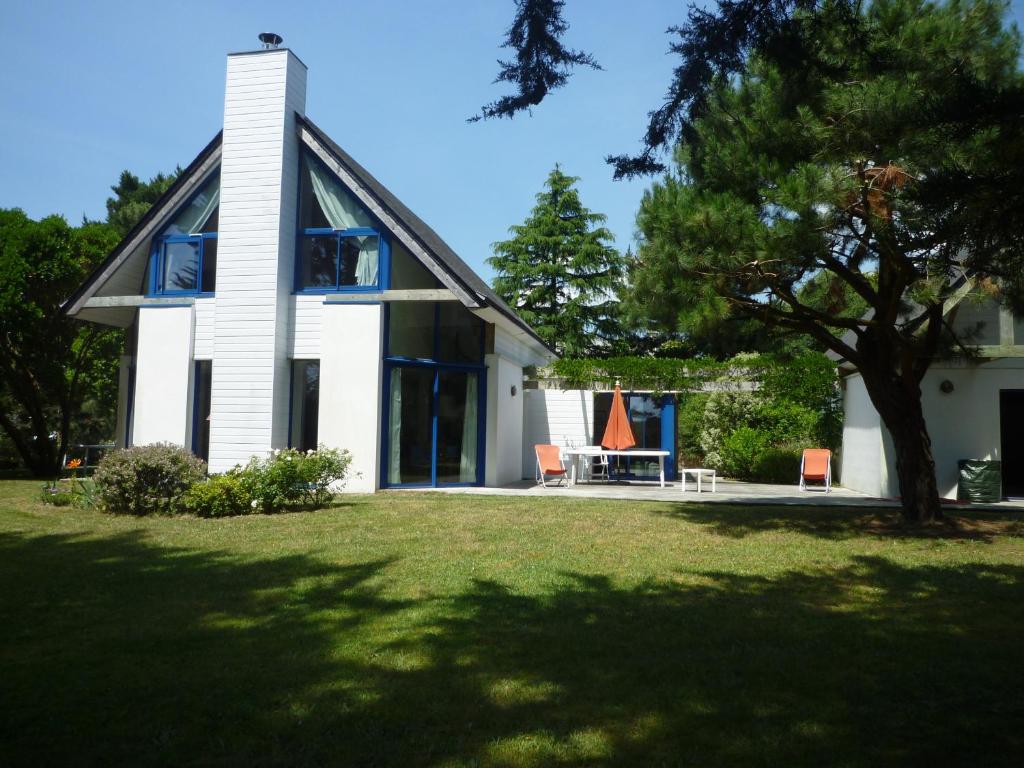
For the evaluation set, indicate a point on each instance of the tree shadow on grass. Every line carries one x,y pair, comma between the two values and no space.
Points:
737,521
118,651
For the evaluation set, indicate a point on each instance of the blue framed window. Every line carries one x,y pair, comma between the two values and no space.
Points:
434,394
340,245
183,261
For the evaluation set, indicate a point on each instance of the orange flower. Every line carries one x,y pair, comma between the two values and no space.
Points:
74,464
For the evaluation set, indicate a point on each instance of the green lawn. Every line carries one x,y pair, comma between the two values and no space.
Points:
424,629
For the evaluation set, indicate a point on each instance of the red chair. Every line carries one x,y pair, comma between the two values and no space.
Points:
549,462
816,467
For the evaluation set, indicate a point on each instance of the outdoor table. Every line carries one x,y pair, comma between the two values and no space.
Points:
591,451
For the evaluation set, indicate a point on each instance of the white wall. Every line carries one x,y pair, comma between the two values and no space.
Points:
861,468
163,375
963,424
504,451
350,388
205,324
558,417
256,240
307,318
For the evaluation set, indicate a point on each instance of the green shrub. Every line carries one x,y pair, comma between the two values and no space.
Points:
740,451
785,422
219,496
289,477
146,479
726,410
58,497
778,465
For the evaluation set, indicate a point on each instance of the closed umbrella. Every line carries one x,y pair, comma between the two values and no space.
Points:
618,435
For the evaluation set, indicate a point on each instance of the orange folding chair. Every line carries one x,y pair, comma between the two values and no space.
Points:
549,462
816,467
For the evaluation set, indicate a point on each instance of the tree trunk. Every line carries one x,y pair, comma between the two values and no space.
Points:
898,402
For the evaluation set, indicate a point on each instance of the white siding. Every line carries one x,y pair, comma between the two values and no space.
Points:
259,173
558,417
307,319
205,324
350,388
504,452
163,376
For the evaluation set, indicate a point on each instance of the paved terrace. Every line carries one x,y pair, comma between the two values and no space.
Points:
728,492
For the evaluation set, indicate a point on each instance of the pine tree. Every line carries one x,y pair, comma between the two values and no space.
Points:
560,272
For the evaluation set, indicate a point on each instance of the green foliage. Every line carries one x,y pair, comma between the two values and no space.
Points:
56,374
134,197
740,450
147,479
777,465
561,274
223,495
286,478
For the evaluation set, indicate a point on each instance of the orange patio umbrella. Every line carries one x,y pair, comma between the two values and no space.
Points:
618,435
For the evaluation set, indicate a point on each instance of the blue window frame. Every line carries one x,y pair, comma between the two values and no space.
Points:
340,246
183,258
435,396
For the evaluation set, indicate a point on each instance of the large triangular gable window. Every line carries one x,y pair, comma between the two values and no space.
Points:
184,258
339,242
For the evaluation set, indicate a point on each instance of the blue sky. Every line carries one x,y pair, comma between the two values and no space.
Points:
92,88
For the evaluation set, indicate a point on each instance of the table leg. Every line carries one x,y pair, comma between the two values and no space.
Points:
661,470
698,480
572,473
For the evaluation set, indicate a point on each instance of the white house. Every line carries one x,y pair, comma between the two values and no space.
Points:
279,295
973,406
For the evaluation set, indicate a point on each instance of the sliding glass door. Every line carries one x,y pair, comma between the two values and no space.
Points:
433,426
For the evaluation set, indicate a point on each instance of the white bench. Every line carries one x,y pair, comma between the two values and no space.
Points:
698,473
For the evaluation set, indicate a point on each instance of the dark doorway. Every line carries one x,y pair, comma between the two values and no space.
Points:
1011,430
201,409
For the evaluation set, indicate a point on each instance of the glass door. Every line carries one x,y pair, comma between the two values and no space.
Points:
433,432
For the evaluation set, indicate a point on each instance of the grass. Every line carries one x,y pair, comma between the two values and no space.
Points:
424,629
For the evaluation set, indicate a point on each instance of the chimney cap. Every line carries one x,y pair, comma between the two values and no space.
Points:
270,40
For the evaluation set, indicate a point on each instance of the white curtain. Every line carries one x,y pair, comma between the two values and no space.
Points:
395,428
193,218
343,212
467,463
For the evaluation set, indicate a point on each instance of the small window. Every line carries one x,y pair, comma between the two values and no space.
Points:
184,257
407,272
411,329
339,245
305,406
460,336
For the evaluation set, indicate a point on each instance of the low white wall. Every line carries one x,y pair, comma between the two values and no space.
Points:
504,452
557,417
350,388
163,376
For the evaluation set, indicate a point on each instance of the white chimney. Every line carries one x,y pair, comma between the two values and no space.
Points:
256,251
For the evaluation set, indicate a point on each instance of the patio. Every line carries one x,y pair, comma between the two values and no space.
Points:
729,492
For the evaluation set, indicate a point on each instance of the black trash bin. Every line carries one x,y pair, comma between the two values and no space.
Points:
980,481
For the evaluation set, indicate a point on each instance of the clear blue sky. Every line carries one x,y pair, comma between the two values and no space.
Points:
92,88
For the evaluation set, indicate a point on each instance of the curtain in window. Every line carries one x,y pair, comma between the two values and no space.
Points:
395,428
467,463
193,218
343,212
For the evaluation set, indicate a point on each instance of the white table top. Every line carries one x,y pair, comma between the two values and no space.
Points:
597,450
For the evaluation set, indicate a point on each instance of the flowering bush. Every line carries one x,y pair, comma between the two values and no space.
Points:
285,478
146,479
292,477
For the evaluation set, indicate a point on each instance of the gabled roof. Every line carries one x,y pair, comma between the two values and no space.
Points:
427,244
139,236
427,237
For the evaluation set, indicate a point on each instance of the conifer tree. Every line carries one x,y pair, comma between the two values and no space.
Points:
560,272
